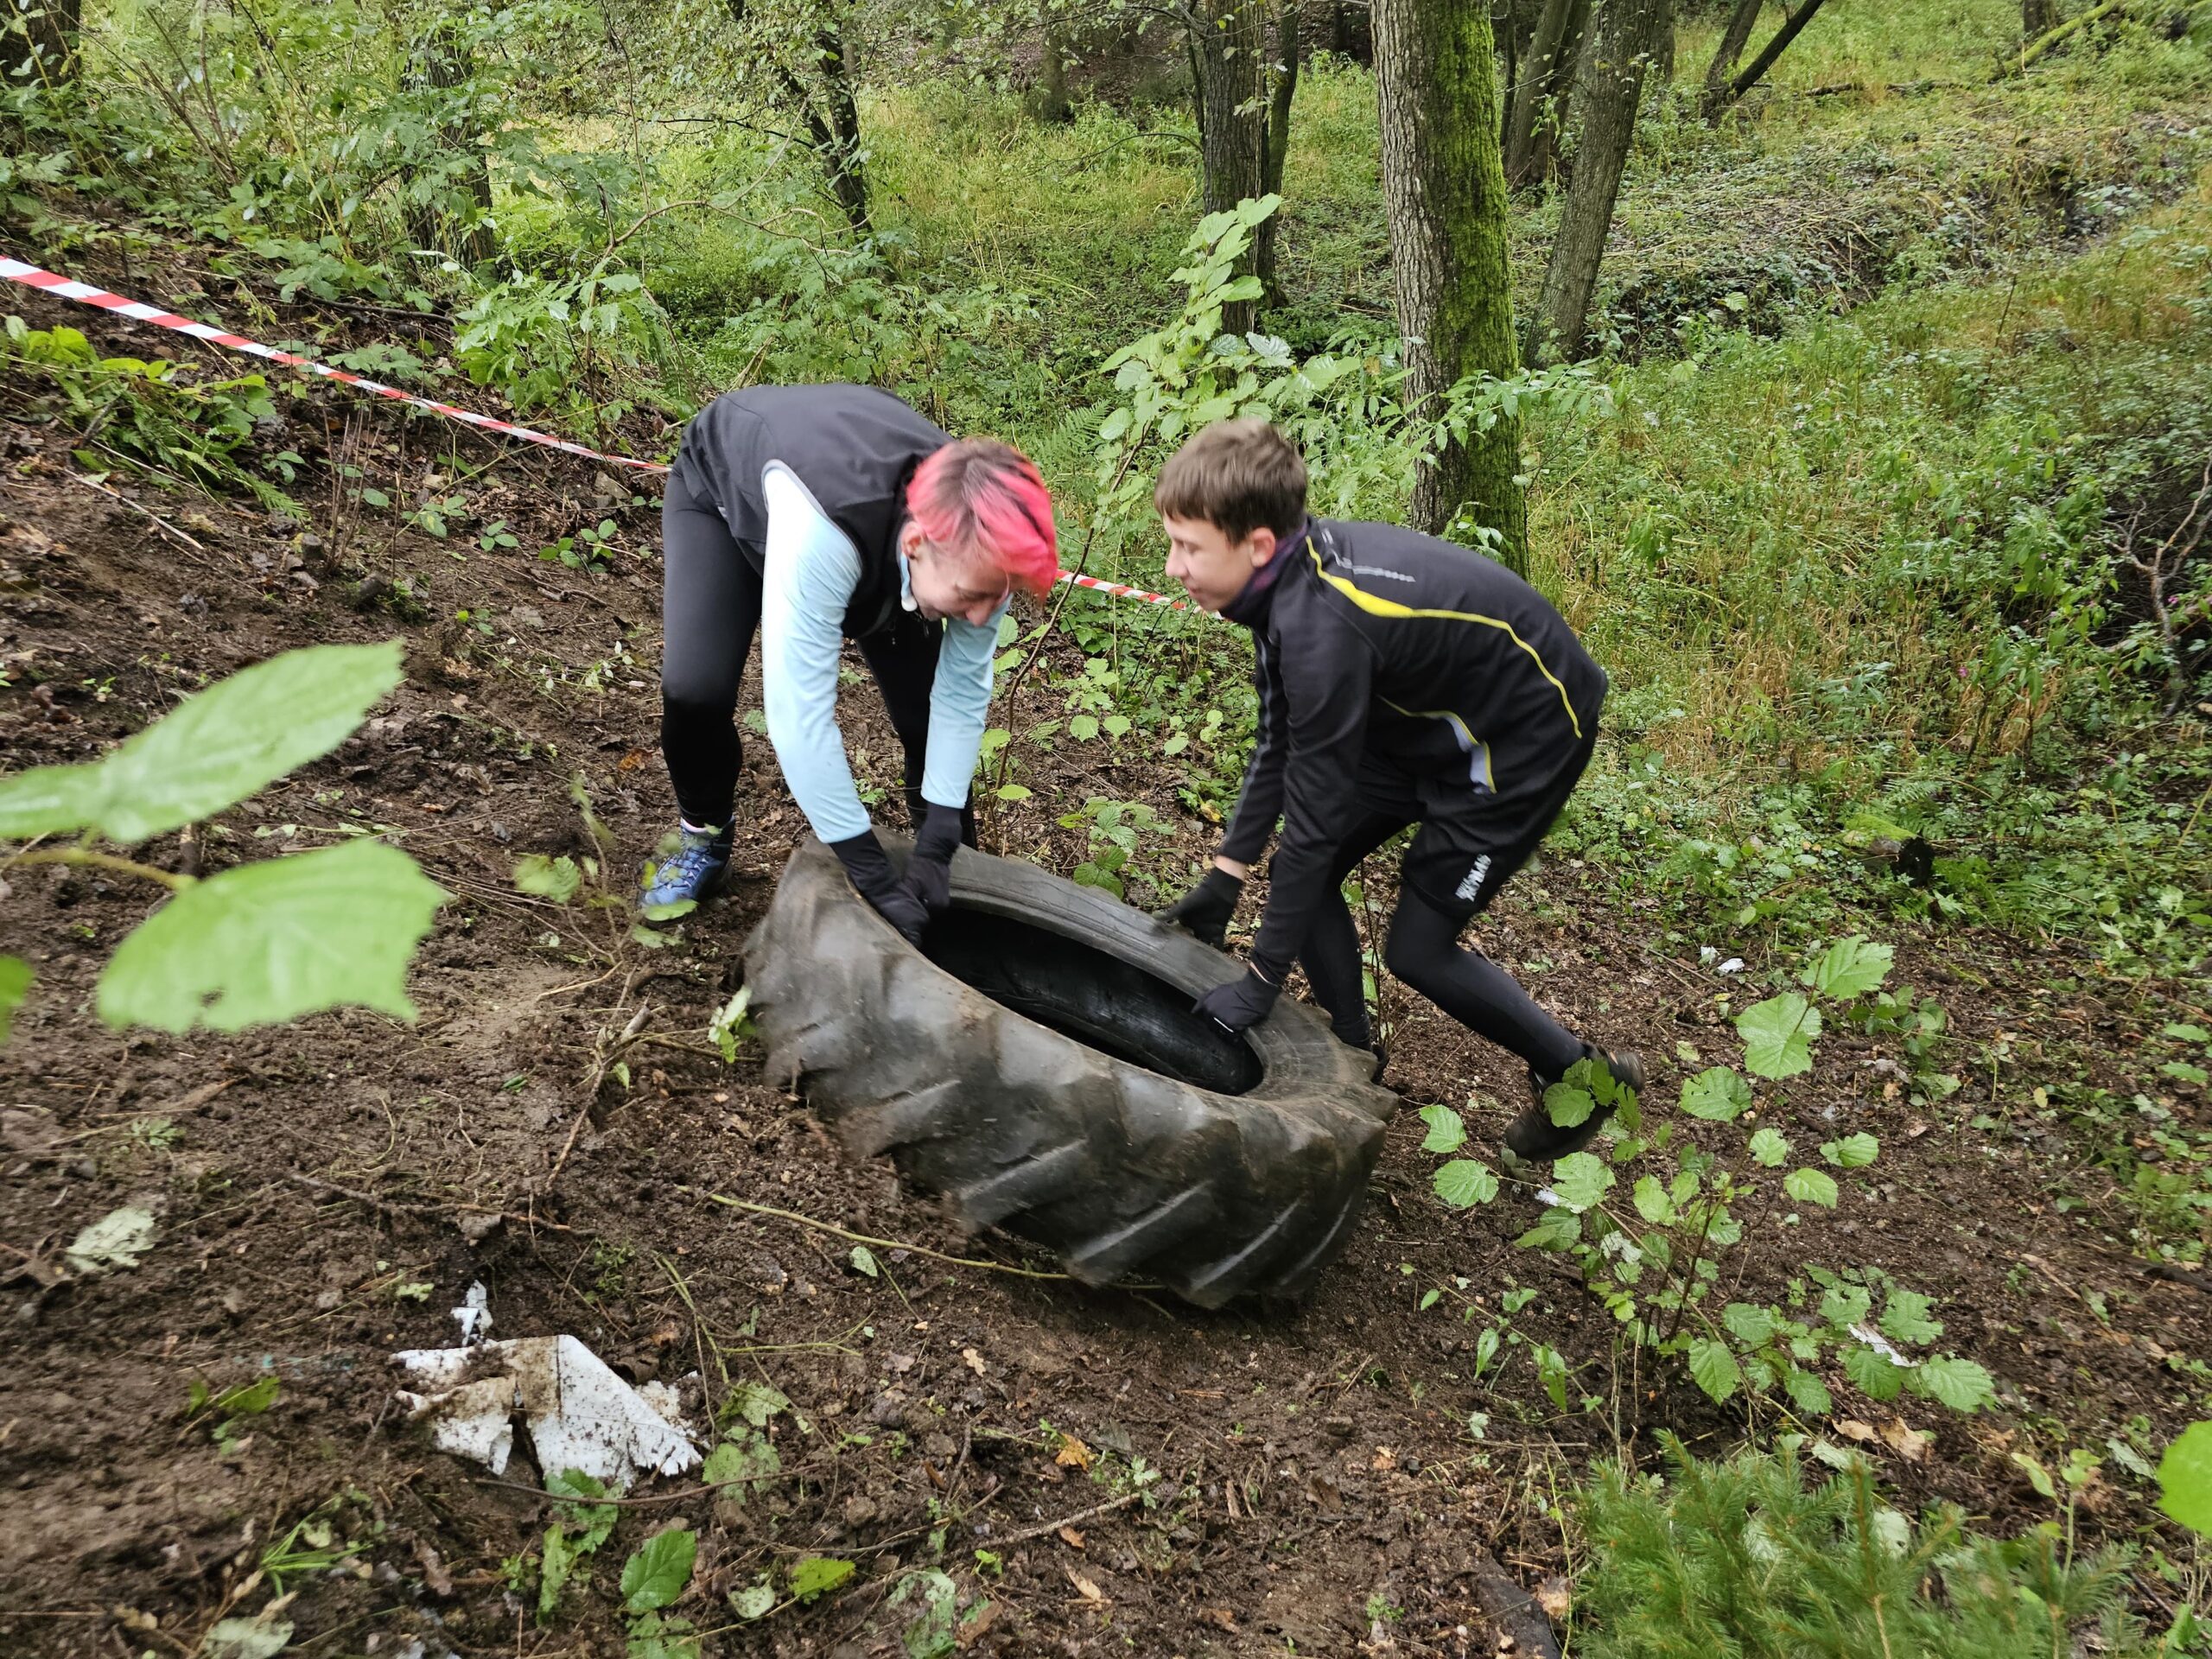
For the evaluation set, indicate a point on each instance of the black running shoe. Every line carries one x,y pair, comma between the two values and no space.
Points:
1535,1139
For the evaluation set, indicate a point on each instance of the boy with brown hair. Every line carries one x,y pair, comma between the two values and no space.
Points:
1402,681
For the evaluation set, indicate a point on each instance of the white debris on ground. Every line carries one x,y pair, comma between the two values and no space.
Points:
579,1414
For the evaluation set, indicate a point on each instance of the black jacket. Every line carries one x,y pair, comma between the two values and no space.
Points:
1382,647
855,448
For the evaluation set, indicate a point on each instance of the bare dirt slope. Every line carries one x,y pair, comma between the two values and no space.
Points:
326,1193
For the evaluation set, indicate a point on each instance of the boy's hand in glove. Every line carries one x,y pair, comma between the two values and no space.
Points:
865,863
928,867
1240,1004
1204,911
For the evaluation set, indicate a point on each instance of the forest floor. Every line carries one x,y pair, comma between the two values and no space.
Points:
1096,1471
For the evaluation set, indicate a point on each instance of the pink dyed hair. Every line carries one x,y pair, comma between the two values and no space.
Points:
979,498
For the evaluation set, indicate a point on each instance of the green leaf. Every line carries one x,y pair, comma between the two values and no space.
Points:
1905,1317
1012,793
818,1575
657,1573
1770,1148
744,1463
556,1564
1850,967
547,878
1718,1094
275,940
1751,1325
1872,1375
1959,1383
1447,1131
755,1603
1579,1179
1778,1035
116,1241
249,1399
16,977
1713,1368
756,1403
1808,1393
1084,727
1557,1230
1568,1106
215,749
2038,1475
1463,1183
1652,1202
1852,1152
1811,1186
2189,1033
2185,1479
1429,1298
246,1638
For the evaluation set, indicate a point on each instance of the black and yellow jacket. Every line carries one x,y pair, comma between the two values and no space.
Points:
1382,648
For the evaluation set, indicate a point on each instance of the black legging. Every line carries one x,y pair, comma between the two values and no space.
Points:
710,609
1424,951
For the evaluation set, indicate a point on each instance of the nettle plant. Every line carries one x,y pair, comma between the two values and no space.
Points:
1651,1220
262,942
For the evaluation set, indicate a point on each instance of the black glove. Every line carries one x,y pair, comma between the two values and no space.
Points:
1240,1003
862,855
928,867
1205,909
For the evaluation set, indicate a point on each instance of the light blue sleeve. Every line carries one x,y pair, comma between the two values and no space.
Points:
811,569
960,703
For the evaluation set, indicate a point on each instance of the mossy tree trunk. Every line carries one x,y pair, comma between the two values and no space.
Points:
1444,185
1546,74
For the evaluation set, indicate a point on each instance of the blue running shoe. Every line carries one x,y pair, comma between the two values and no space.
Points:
694,870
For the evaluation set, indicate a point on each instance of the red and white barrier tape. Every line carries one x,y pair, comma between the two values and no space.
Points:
15,271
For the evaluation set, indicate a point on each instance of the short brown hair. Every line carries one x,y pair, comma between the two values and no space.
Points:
1237,475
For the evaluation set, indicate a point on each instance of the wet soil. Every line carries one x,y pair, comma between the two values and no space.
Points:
1096,1471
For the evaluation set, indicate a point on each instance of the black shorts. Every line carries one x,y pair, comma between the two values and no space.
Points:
1470,841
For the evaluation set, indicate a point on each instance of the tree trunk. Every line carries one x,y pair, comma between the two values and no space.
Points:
1282,89
1444,186
1733,39
1615,74
1351,30
438,63
41,40
1541,160
1793,26
848,182
1052,103
1547,66
835,136
1662,55
1229,49
2037,18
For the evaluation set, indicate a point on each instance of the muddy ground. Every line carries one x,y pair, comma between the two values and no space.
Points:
1258,1480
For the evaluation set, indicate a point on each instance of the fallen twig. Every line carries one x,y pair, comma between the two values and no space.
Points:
864,1238
1039,1530
399,1207
159,522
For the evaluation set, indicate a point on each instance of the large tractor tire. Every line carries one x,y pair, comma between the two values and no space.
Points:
1037,1063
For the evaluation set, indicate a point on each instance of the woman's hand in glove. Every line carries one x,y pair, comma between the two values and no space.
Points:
1204,911
869,869
1241,1004
928,867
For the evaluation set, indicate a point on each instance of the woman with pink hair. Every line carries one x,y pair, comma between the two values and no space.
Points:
812,515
